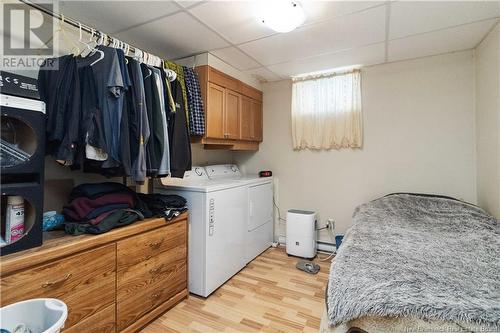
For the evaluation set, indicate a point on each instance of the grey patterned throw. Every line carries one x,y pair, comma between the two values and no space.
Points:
422,256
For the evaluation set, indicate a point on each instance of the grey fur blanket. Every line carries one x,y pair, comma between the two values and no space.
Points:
421,256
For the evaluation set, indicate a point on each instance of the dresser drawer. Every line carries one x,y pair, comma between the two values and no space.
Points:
85,282
137,249
139,300
148,275
102,322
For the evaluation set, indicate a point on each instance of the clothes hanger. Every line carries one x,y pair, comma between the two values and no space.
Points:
137,54
91,40
100,58
171,75
80,39
66,38
127,49
104,36
194,62
146,61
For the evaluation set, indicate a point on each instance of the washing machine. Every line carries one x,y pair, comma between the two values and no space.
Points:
218,210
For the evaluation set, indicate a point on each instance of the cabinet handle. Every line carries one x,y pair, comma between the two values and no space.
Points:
157,244
154,296
156,270
51,283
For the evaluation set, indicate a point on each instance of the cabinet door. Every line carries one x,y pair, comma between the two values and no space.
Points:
232,115
246,118
215,111
256,127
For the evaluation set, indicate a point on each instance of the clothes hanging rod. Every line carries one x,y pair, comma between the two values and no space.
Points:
78,24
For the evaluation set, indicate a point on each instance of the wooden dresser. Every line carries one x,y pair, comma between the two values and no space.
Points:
115,282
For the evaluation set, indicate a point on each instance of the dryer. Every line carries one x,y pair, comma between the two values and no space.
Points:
259,221
259,236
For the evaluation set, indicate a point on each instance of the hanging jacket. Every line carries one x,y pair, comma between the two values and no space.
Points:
138,116
180,145
164,168
152,106
181,79
60,90
91,130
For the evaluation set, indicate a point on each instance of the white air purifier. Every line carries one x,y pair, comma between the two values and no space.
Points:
301,233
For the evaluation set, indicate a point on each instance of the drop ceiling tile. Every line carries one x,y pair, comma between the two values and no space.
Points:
235,58
345,32
263,74
113,16
317,11
237,21
368,55
188,4
454,39
173,36
412,17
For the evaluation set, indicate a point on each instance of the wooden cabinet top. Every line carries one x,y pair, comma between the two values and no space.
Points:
210,74
57,244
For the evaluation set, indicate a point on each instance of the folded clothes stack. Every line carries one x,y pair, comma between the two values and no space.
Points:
98,208
164,205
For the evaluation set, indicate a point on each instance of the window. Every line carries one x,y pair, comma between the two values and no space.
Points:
326,112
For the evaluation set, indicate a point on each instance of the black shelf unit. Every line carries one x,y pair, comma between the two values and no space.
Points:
23,121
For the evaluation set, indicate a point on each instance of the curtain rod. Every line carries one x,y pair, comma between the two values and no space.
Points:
325,75
78,24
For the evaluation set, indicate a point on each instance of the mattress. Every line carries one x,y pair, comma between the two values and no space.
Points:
418,263
374,324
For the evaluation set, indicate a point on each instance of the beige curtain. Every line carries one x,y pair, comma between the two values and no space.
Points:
326,112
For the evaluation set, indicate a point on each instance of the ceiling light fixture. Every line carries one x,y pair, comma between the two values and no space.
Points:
282,16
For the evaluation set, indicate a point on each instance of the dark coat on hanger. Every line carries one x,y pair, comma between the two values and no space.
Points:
179,140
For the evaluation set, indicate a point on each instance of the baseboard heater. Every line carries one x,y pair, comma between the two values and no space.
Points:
321,245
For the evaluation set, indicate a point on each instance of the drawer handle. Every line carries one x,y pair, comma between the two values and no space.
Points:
156,270
157,244
51,283
157,295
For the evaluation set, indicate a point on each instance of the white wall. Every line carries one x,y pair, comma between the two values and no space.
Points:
487,61
418,137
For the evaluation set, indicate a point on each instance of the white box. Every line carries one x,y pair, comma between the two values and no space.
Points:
301,233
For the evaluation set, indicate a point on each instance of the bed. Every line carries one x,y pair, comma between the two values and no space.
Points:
416,263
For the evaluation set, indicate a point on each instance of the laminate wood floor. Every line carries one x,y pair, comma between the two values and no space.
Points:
268,295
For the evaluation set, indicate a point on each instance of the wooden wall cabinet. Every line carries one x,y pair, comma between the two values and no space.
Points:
232,115
114,282
246,126
233,111
256,120
215,119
